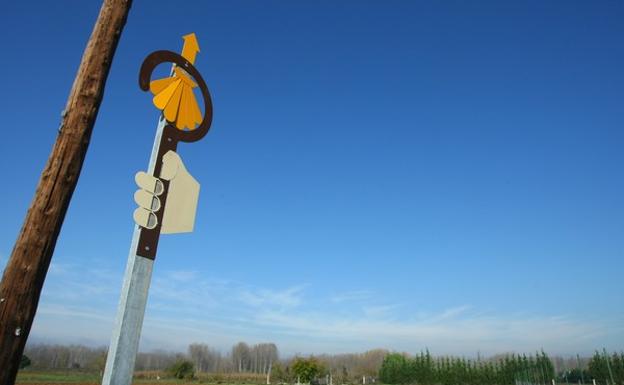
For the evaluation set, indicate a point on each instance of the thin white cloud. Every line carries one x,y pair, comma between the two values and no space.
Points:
67,283
57,268
183,275
453,312
351,296
445,334
56,323
289,297
82,312
379,310
185,307
171,294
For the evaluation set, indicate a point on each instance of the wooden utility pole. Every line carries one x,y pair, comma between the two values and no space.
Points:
26,270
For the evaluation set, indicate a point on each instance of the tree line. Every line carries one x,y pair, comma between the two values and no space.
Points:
258,363
242,358
512,369
425,369
261,363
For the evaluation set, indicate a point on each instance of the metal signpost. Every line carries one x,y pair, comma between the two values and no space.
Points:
167,197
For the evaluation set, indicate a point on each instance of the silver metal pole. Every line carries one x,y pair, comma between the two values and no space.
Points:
127,330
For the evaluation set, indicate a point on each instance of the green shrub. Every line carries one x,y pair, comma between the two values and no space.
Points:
24,362
307,368
395,369
182,369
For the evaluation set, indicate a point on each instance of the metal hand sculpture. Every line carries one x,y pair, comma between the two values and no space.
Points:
173,94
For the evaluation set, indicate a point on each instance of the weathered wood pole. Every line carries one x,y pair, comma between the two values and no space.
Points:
26,270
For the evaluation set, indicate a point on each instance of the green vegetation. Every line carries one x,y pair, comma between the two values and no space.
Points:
423,369
307,369
92,378
607,369
182,369
255,364
57,377
24,362
574,376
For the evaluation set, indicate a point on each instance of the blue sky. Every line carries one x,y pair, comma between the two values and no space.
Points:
378,174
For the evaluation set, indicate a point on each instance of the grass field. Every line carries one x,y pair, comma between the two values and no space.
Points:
57,378
91,378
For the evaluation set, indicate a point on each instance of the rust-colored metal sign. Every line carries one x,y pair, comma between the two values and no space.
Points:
174,96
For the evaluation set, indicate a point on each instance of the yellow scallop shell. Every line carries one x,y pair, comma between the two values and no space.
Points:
175,98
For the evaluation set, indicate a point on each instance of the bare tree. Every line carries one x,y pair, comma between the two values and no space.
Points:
156,360
354,365
204,358
198,354
270,355
241,357
65,356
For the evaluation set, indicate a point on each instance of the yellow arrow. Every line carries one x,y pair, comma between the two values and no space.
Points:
190,47
174,95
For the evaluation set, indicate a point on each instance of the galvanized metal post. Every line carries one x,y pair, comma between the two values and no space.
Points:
127,330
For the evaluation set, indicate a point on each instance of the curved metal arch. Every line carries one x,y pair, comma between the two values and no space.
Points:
158,57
